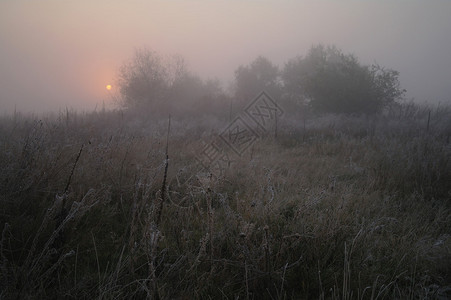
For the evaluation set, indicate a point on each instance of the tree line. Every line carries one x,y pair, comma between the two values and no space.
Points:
325,80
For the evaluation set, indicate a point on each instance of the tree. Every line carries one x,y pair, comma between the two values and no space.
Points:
146,79
330,81
260,75
156,86
386,85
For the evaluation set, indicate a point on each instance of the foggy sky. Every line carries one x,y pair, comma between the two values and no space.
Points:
58,54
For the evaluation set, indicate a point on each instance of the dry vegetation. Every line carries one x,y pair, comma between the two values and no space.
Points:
343,208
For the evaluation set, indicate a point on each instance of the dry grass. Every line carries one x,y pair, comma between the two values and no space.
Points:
345,208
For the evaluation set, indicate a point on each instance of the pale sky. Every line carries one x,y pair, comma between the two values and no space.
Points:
58,54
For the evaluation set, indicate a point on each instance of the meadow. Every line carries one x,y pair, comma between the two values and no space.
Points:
330,207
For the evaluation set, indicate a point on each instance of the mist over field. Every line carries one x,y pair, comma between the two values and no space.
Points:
240,149
58,54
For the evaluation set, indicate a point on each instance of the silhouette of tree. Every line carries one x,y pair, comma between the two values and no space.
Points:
156,86
145,80
330,81
260,75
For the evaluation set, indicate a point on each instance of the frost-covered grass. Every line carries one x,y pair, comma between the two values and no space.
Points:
342,208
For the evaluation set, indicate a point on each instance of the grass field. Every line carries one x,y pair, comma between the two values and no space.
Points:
343,207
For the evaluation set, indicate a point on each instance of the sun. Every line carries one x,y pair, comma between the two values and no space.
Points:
108,87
